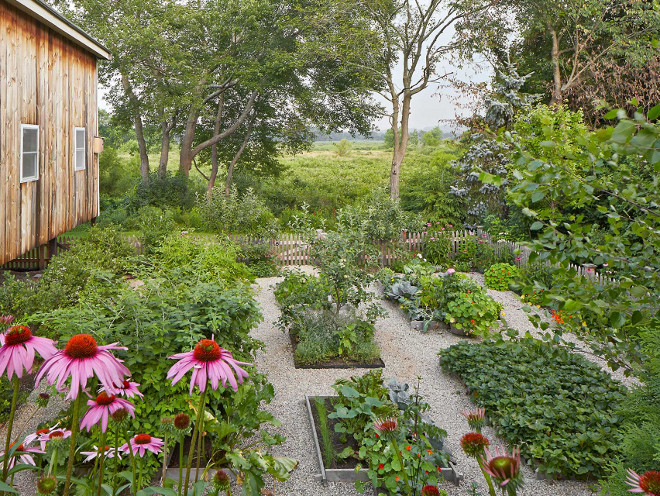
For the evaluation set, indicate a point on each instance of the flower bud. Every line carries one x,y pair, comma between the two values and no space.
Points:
47,485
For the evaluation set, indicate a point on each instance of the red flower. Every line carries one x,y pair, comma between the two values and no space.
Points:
473,444
381,466
408,447
430,491
649,483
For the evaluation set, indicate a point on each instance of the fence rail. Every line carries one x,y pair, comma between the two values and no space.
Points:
292,249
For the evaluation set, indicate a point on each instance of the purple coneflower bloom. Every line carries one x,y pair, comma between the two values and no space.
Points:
504,468
143,442
6,319
451,270
46,435
127,388
107,452
648,483
24,456
17,348
209,362
101,408
81,359
386,425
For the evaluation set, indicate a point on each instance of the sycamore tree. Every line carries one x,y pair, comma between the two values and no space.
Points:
415,38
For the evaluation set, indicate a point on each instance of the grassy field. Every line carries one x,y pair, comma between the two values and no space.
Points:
325,180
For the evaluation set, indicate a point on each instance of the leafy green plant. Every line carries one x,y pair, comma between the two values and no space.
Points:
237,213
437,247
500,276
558,407
329,453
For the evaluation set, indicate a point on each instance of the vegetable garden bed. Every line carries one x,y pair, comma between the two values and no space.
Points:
347,470
334,363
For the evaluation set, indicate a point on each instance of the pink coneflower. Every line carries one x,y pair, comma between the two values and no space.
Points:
143,442
648,483
386,425
25,452
17,348
108,452
6,319
504,468
81,359
128,389
101,408
451,270
476,418
53,434
209,362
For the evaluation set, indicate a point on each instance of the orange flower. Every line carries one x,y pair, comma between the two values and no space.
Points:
408,447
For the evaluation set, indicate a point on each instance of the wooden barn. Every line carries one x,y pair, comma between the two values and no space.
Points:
48,126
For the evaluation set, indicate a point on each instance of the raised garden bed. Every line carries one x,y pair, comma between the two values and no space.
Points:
345,471
335,363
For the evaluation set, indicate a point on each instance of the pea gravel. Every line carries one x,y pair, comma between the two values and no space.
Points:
407,354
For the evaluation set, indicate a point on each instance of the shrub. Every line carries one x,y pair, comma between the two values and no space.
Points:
237,214
557,406
102,255
437,247
471,309
500,276
155,224
189,259
163,192
257,256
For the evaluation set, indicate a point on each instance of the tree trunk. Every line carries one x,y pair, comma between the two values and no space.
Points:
139,131
214,147
234,161
166,126
186,155
556,73
400,141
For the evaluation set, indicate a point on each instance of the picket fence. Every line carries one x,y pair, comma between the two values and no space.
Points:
292,249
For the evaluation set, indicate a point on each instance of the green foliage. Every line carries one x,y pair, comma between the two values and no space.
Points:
329,453
471,309
191,259
377,219
559,408
115,175
500,276
437,247
85,268
325,335
610,181
16,295
640,448
432,138
257,256
6,393
343,148
155,224
162,192
236,214
155,322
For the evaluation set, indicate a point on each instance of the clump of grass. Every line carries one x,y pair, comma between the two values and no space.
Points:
329,453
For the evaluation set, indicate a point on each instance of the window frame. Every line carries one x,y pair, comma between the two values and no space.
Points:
29,179
76,148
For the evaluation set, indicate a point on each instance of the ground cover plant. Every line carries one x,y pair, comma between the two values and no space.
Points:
559,408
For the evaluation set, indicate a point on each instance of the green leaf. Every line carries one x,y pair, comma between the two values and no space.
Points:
537,196
612,114
7,488
654,113
623,131
536,226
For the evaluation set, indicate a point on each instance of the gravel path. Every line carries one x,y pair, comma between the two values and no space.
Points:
407,354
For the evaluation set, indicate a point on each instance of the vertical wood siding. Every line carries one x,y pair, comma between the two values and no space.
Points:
48,81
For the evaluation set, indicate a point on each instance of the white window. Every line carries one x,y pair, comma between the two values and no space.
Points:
79,145
29,153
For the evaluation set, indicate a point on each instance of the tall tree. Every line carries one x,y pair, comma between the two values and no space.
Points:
415,39
569,42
